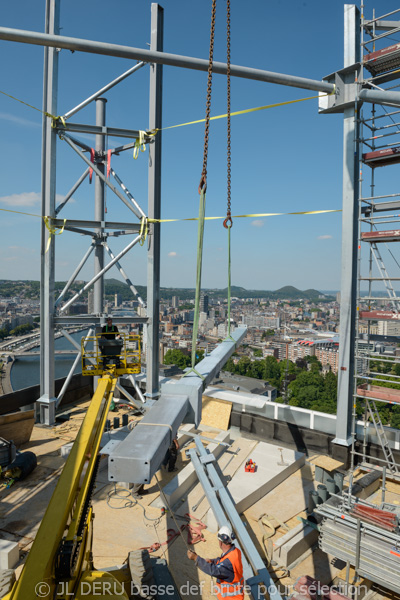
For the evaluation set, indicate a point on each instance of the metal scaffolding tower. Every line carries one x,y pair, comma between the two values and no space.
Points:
97,159
378,307
368,143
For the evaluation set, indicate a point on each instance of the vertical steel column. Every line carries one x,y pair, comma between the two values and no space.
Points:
99,203
348,290
154,208
47,398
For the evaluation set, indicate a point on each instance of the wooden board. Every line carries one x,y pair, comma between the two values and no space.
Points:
17,427
327,463
216,413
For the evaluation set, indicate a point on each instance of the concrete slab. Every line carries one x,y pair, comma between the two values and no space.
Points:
247,488
289,547
195,501
287,499
9,554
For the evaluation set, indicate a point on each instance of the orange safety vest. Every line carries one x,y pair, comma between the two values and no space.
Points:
234,589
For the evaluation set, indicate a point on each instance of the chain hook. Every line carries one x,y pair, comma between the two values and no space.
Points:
228,221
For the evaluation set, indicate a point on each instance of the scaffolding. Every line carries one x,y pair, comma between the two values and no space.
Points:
378,306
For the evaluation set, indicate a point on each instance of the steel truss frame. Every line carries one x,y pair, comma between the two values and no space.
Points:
99,229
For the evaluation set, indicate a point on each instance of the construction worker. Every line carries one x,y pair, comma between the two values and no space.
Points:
227,568
109,332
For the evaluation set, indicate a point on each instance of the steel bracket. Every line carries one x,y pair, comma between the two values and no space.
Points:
346,91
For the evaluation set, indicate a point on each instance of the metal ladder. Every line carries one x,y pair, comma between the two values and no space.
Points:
380,432
386,279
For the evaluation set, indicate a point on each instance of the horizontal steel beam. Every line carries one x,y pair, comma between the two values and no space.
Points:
132,227
139,456
92,320
174,60
195,382
387,98
96,130
381,24
381,207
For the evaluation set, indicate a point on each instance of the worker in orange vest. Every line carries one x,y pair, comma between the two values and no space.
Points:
227,568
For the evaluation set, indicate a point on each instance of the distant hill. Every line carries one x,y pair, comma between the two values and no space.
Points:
30,289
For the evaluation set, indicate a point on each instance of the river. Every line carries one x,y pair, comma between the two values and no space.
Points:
25,371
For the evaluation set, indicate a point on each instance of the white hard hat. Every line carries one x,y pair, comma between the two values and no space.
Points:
225,535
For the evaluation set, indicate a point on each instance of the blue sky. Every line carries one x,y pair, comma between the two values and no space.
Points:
283,159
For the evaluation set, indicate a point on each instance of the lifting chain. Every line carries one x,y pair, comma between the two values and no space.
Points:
228,220
203,179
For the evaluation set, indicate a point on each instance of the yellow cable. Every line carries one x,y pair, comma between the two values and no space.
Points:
140,145
242,112
55,119
145,220
306,212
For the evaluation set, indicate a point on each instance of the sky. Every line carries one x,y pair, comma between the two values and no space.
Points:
285,159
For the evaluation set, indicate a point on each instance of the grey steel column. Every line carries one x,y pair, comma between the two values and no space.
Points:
154,208
348,290
98,288
47,253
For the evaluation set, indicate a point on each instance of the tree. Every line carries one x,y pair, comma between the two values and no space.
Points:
21,329
178,358
229,366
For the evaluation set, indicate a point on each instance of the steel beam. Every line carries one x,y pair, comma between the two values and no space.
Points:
127,192
96,320
100,274
125,276
143,453
381,24
349,239
388,98
154,208
255,560
72,191
72,369
99,173
99,213
75,274
381,207
47,398
163,58
98,130
132,227
103,90
194,383
210,492
139,456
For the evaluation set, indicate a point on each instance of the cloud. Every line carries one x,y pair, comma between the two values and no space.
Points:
24,199
172,254
324,237
258,223
27,199
19,120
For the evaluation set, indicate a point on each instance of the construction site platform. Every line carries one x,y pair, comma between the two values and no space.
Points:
120,523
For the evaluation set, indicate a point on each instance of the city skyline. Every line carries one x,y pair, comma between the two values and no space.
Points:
284,160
